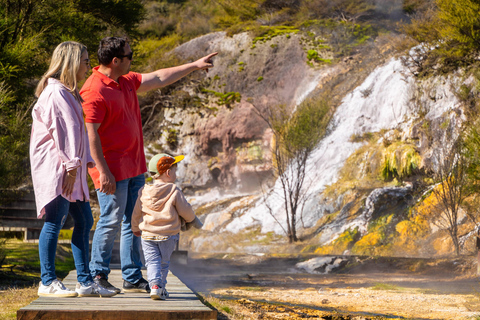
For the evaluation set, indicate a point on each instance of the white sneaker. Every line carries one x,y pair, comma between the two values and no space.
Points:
158,293
93,290
55,289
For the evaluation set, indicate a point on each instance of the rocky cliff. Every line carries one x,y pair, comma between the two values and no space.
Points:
386,120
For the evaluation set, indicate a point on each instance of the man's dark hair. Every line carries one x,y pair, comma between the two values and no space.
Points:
109,48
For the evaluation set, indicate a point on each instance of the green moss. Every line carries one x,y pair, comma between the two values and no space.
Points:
379,238
259,78
227,309
312,55
172,138
445,124
309,249
367,136
266,33
385,286
400,161
347,239
224,98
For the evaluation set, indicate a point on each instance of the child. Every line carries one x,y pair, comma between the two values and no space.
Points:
157,217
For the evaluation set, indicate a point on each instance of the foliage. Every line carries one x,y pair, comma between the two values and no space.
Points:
172,138
450,34
226,98
296,136
345,241
471,142
264,33
452,189
29,32
409,232
378,237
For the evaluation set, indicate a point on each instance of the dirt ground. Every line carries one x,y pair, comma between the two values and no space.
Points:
265,287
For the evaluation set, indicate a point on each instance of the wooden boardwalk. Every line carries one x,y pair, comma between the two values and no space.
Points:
182,304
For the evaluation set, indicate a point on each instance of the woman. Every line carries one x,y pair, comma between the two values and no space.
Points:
59,156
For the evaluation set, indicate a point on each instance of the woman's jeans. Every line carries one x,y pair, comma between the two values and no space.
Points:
157,258
115,213
56,213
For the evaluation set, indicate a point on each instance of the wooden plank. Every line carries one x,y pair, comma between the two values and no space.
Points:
182,304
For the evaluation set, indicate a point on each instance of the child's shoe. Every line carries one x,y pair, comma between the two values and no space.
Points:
164,294
55,289
93,289
157,293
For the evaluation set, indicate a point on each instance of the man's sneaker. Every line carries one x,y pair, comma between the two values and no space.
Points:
158,293
102,281
93,290
140,286
55,289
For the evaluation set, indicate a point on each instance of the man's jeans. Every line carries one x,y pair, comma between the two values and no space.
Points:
56,213
157,258
115,210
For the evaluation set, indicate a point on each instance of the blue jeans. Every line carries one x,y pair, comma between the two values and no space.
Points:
56,213
115,213
157,258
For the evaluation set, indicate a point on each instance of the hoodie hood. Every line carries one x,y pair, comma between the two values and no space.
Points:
155,196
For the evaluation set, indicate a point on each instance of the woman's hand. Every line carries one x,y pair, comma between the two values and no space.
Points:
68,182
138,233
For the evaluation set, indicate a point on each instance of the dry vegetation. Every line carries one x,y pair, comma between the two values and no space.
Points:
262,287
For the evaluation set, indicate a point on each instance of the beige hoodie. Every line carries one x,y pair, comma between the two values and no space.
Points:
158,210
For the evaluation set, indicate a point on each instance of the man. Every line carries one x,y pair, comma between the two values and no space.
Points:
114,126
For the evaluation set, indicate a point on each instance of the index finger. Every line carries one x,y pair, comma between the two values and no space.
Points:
211,55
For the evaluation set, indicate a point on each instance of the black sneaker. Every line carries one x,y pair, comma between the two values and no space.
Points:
101,280
140,286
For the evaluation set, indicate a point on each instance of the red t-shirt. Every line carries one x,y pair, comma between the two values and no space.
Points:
115,106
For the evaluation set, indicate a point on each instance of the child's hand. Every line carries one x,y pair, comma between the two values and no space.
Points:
138,233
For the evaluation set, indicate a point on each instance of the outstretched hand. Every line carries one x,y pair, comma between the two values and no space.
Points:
206,62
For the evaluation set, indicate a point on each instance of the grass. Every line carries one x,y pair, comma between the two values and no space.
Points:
13,299
254,289
20,274
385,286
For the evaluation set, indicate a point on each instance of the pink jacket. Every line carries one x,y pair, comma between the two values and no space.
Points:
158,210
58,143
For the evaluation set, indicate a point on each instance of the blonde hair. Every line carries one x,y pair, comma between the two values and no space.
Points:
64,66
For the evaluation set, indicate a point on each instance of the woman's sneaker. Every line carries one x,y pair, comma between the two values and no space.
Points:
92,289
157,293
55,289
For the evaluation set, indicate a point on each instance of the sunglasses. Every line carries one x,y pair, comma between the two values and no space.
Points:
129,56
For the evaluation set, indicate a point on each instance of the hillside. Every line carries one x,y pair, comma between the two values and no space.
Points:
398,82
370,179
